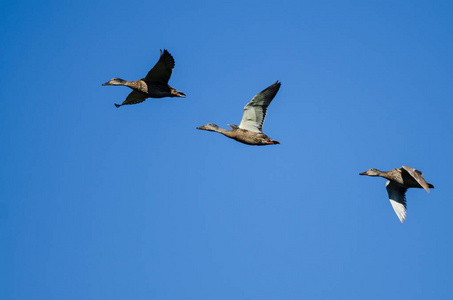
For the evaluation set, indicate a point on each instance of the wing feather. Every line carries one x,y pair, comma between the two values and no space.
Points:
397,197
134,97
255,111
417,175
161,72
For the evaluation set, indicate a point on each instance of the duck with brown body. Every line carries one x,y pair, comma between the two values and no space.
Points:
241,135
399,180
154,85
249,130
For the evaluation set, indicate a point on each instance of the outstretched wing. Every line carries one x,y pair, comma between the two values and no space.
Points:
162,70
255,111
417,175
397,197
134,97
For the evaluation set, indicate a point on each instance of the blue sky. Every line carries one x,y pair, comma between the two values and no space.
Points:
135,203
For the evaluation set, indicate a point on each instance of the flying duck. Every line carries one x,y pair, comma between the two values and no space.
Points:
399,180
154,85
249,130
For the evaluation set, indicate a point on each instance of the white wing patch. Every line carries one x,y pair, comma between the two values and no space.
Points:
255,111
399,209
397,199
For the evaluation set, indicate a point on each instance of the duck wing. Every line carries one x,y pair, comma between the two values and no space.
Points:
255,111
162,70
397,197
134,97
417,175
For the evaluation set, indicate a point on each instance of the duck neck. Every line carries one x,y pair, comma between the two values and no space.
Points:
132,84
385,174
223,131
119,81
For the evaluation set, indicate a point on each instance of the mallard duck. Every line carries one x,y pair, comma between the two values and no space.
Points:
249,130
399,180
154,85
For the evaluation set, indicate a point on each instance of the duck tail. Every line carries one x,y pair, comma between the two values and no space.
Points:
179,94
430,186
176,93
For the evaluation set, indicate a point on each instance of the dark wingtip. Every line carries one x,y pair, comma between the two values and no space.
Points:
117,105
430,186
276,86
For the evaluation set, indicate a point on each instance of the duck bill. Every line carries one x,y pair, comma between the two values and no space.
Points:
364,173
201,127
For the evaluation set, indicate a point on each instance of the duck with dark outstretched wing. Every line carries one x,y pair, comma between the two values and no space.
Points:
154,85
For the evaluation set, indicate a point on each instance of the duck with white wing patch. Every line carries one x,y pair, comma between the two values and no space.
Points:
249,130
399,180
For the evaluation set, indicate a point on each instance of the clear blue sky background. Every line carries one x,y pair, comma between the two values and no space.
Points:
135,203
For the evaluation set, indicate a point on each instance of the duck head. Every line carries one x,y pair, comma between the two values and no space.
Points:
371,172
115,81
209,127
